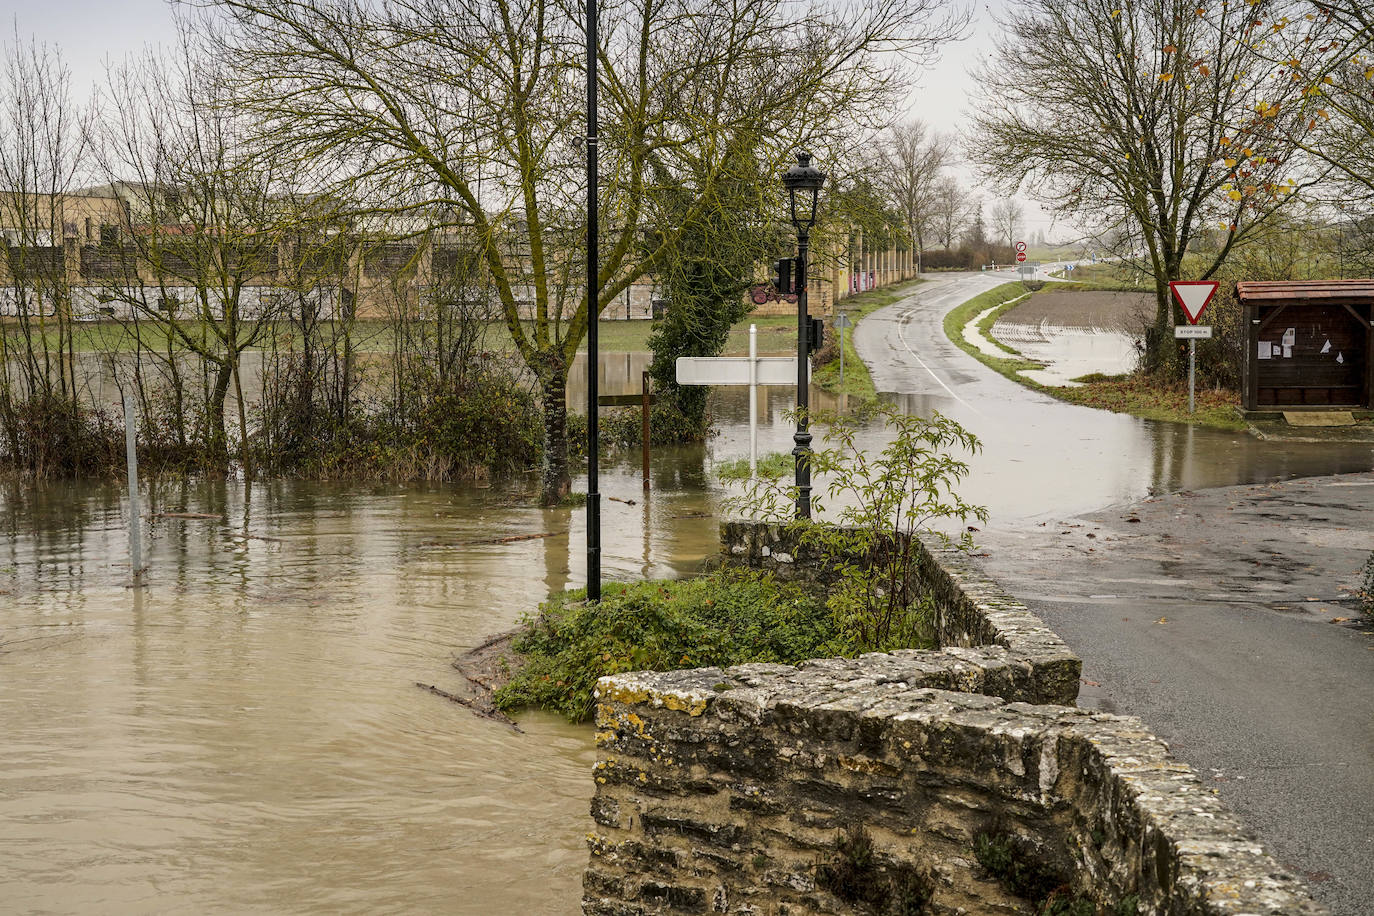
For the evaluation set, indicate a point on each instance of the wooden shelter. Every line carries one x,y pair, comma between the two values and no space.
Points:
1308,343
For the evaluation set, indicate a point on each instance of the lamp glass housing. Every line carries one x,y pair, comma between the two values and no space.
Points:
803,182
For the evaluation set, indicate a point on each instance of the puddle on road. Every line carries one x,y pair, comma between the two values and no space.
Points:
244,734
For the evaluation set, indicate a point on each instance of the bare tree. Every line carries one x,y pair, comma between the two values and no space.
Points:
1164,118
911,162
1007,221
953,206
473,108
200,253
41,155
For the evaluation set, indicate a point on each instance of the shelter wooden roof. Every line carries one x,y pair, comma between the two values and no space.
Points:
1316,291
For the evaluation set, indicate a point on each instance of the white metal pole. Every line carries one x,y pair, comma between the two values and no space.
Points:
1192,370
841,356
753,400
131,459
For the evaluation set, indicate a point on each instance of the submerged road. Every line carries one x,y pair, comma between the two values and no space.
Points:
1201,575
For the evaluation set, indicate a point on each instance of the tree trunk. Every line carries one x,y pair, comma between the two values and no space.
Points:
1163,353
553,381
244,453
216,438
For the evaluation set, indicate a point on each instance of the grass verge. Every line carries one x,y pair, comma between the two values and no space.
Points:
1130,394
857,380
728,617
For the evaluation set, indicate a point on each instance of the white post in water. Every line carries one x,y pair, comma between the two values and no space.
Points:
131,459
753,400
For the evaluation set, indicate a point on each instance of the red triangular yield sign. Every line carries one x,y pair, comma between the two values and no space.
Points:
1193,296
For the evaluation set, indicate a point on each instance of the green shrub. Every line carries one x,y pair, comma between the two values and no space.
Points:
883,501
726,618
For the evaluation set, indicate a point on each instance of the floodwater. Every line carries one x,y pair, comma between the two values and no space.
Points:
1069,353
245,733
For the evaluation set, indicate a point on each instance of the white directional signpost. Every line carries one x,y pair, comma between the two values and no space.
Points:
752,370
1193,296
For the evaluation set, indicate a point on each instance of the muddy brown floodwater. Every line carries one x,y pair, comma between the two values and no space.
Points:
245,734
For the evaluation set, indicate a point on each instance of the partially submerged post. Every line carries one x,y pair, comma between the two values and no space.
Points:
644,412
753,401
131,460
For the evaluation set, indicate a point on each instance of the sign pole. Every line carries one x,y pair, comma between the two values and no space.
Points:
131,459
1193,297
842,356
753,400
1192,370
801,451
644,434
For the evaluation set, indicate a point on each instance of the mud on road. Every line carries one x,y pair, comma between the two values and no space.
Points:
1226,618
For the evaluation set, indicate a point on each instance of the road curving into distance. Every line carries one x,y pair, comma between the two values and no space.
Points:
1198,573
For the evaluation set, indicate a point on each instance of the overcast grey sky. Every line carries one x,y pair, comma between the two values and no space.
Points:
92,32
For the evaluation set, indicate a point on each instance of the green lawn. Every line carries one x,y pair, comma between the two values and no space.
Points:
777,333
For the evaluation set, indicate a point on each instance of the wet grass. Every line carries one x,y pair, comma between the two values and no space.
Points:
771,466
1000,299
1130,394
1141,397
858,382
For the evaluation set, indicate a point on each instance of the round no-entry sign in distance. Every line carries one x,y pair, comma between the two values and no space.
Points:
1020,257
1020,246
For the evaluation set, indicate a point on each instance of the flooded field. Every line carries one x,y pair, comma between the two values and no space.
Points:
245,733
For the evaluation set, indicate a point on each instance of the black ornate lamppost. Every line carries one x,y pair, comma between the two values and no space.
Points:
803,182
593,315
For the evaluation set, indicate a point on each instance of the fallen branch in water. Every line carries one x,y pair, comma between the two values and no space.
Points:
511,539
186,515
628,502
477,708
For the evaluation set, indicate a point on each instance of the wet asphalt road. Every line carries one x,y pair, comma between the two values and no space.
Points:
1214,616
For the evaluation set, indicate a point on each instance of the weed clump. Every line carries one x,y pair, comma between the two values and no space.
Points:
1365,592
1014,863
859,877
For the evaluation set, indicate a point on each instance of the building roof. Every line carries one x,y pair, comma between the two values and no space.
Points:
1305,290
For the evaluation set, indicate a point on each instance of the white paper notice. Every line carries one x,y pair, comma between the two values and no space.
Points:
1288,352
1340,357
1290,337
1326,347
1264,349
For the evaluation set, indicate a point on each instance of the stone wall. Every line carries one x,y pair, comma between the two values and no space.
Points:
740,790
971,612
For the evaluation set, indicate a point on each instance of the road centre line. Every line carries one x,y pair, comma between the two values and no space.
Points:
901,335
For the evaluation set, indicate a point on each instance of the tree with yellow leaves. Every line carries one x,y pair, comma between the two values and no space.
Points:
1164,123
